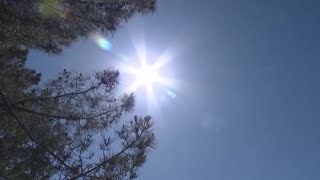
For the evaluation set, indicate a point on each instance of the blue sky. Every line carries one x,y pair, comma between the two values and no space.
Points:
249,104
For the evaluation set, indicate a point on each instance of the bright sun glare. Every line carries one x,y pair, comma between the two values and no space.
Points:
143,75
146,75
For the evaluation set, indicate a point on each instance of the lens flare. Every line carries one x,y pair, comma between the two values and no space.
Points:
141,74
102,42
150,79
51,7
123,58
66,14
171,94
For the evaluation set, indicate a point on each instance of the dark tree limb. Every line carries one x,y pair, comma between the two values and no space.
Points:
83,174
68,118
11,111
56,97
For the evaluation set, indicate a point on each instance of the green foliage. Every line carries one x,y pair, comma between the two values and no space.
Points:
50,25
14,77
66,129
70,127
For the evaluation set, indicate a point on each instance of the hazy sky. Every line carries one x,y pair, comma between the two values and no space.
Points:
247,104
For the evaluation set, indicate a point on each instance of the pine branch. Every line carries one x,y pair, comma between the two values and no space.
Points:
56,97
68,118
105,161
20,123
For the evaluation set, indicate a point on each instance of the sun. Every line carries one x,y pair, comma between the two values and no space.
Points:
148,79
150,75
146,75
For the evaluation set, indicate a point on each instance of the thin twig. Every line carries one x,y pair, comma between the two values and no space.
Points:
55,97
104,162
69,118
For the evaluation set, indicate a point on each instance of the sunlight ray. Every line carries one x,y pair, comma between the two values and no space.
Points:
173,50
128,69
138,41
164,81
151,76
133,87
150,95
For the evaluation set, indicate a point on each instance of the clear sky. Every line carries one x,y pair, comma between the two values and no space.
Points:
247,104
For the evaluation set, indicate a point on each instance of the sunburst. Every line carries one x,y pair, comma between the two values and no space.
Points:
147,76
150,78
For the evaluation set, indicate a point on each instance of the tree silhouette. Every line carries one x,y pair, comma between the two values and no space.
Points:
74,126
50,25
70,128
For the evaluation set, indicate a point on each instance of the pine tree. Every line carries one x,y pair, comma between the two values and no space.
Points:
50,25
69,128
